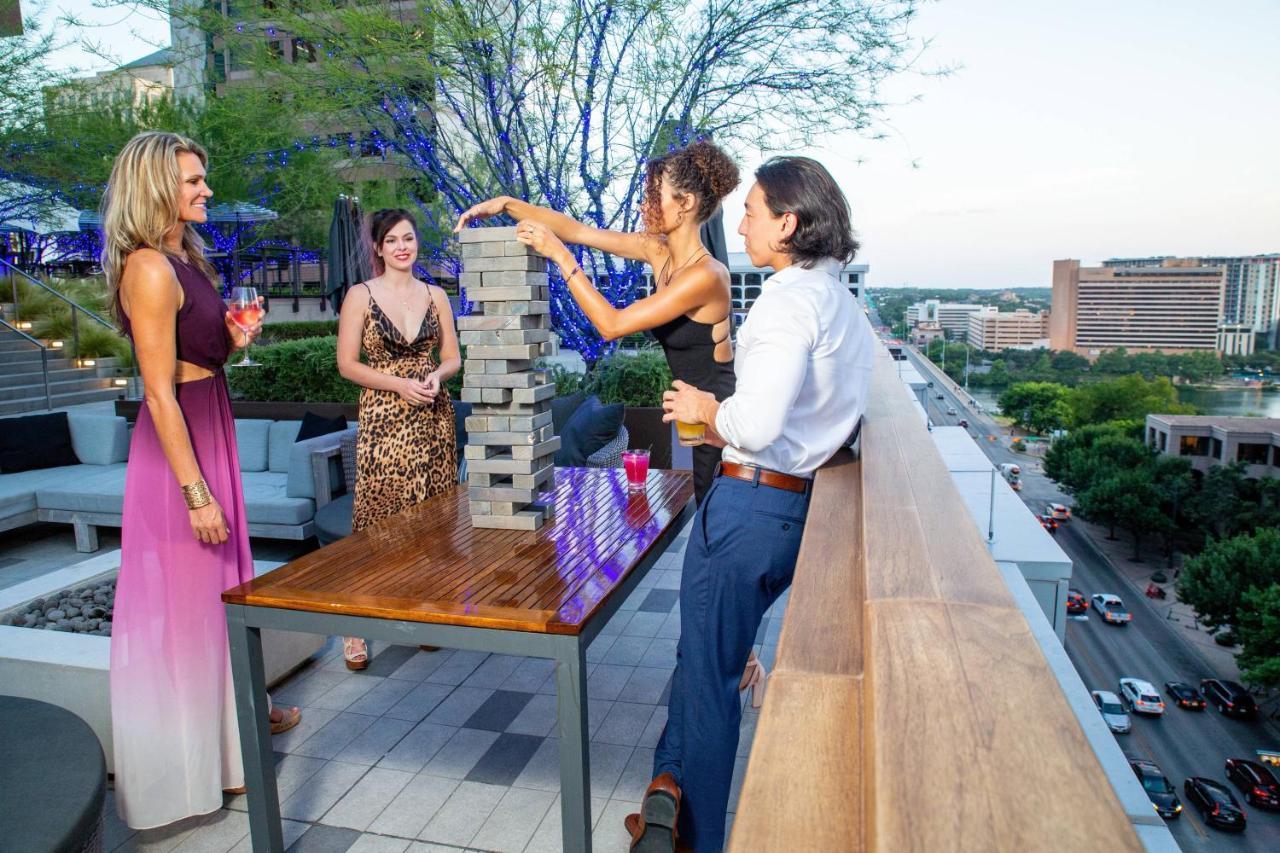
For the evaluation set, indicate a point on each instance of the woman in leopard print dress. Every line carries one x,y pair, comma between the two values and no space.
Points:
405,446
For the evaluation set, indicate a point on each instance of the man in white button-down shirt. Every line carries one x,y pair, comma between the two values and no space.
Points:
803,365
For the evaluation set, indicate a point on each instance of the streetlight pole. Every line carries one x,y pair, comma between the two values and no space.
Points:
966,368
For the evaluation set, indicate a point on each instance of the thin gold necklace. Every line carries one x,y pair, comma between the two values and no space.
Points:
699,253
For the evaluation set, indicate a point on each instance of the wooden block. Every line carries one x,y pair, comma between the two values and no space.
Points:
527,410
524,380
514,351
525,520
535,394
512,278
475,450
484,250
507,337
541,449
540,478
515,293
504,493
507,309
519,263
503,439
522,423
488,235
508,365
494,395
505,507
504,464
479,507
486,423
482,481
472,395
491,322
515,247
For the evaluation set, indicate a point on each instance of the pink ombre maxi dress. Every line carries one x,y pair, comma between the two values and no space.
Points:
172,704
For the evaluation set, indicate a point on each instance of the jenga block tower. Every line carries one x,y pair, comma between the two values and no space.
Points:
510,441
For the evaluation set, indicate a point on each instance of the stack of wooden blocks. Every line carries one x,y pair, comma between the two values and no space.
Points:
510,438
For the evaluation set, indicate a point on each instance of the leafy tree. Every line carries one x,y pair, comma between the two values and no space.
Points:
1071,462
1127,398
1216,580
1037,406
1104,502
1113,361
1174,483
1257,627
1070,362
1217,508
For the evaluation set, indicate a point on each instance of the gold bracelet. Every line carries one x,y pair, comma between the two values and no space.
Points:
197,494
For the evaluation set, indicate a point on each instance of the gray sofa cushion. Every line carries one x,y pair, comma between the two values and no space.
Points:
83,488
251,443
266,500
280,445
18,490
99,439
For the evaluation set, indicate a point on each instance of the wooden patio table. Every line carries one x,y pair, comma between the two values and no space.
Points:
427,577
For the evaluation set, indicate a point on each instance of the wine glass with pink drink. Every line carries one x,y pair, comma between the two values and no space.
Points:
246,312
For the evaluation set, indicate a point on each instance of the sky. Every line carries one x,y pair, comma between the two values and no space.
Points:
1084,129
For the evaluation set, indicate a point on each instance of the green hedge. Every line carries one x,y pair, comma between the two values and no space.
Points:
293,330
304,371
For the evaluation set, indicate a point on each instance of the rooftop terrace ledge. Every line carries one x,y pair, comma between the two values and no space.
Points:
911,706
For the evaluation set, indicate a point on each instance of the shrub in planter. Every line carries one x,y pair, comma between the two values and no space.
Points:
632,379
292,330
303,371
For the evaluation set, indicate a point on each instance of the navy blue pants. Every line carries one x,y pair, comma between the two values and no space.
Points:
740,557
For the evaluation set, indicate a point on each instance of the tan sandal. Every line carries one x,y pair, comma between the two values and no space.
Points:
234,791
288,719
356,653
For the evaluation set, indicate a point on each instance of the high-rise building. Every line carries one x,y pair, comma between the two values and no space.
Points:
992,330
1251,289
1175,307
953,317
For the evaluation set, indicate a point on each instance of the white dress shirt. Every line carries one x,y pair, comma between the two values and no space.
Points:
803,365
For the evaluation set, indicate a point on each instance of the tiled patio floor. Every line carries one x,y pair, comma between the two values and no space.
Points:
453,750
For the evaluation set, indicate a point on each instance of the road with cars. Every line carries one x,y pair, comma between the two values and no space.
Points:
1183,743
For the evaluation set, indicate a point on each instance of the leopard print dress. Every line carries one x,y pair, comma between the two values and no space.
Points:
404,454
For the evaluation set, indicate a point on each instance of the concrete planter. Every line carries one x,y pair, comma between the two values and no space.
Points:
71,670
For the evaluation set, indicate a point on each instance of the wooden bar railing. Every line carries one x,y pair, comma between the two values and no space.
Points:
909,707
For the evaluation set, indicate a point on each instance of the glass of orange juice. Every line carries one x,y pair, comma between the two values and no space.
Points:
691,435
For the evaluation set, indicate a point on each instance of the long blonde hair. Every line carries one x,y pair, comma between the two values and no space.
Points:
140,206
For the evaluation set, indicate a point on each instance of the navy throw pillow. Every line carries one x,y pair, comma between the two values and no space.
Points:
34,442
590,428
562,408
314,425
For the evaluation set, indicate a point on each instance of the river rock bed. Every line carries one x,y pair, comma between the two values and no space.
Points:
78,610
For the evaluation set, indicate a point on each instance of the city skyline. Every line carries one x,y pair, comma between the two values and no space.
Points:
1087,136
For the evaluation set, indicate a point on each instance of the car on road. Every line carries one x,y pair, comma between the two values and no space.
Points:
1184,695
941,397
962,422
1229,698
1158,787
1215,803
1049,523
1141,696
1061,512
1257,782
1111,608
1076,603
1113,713
951,410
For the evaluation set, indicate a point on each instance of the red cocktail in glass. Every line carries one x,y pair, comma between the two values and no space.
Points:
636,464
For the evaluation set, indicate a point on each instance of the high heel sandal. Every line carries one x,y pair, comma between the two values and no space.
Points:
356,653
754,677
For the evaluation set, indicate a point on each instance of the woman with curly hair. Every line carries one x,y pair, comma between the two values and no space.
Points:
690,309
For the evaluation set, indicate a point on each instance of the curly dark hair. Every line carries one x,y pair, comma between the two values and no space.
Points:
701,169
380,223
803,187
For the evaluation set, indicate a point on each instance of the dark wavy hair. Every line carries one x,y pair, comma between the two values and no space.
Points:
701,169
380,223
803,187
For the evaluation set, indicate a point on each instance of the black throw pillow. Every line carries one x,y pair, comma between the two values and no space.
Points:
592,426
314,425
34,442
562,408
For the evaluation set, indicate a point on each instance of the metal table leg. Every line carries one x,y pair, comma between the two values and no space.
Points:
255,732
575,757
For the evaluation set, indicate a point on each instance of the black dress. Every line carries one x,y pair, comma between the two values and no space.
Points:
690,351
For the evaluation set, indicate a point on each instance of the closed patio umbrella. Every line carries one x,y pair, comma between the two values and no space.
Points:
348,261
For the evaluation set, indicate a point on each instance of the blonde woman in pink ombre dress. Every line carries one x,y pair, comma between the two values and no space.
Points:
184,537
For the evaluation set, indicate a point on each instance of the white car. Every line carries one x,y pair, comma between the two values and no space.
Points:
1111,608
1142,696
1113,713
1060,512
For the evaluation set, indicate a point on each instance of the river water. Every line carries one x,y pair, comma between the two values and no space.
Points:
1209,401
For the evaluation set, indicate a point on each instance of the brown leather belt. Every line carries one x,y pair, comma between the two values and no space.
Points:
765,477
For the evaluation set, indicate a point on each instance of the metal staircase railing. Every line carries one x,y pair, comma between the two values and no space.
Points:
44,359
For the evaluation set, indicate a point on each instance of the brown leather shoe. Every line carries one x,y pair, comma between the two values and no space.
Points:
653,830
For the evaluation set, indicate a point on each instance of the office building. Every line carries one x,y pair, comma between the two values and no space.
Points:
1175,307
1209,440
141,81
952,317
992,330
